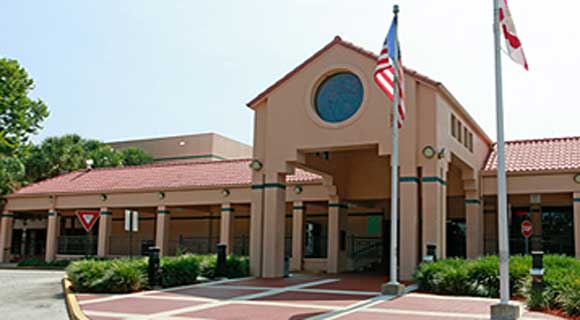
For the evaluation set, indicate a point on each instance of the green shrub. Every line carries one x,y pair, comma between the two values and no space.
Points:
569,298
38,262
177,271
480,277
237,266
207,266
129,275
111,276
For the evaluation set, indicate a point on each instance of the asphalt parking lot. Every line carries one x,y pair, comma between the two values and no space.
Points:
31,294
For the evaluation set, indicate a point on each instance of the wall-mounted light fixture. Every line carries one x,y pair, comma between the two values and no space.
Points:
577,178
226,192
256,165
104,197
441,153
298,189
161,195
429,152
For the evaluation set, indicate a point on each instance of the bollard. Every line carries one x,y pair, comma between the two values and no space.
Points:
537,271
221,260
154,262
431,255
286,267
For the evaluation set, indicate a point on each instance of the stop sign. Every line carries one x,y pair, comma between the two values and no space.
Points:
527,228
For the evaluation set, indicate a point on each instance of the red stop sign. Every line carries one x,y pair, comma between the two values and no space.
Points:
527,228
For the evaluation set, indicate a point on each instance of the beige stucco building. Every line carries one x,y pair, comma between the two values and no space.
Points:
316,187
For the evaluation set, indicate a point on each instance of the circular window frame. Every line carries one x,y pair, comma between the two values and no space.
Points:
310,99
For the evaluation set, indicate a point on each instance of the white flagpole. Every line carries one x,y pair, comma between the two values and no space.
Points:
501,175
395,155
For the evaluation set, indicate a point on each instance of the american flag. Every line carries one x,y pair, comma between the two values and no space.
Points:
384,71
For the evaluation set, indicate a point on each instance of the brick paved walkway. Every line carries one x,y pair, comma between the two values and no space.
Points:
344,297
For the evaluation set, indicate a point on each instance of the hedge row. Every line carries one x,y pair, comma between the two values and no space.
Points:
480,277
129,275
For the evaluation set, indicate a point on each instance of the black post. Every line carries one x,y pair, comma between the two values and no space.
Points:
153,271
131,234
537,271
221,260
431,255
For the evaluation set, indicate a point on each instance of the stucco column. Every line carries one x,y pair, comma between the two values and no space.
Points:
298,209
227,227
104,240
6,236
434,206
576,200
52,233
408,225
162,236
474,224
256,224
337,215
273,224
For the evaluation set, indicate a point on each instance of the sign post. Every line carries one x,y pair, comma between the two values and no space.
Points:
88,218
131,225
527,231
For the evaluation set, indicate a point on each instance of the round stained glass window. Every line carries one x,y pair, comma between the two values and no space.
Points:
338,97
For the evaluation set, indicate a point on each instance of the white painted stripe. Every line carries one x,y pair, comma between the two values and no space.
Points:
461,298
353,308
289,305
348,292
179,298
142,293
430,314
242,298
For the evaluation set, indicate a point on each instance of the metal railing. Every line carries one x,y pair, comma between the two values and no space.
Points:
77,245
122,245
197,245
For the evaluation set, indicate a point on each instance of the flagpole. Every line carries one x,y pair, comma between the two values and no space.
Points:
395,155
501,175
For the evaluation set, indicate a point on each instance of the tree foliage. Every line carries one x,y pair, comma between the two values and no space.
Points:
58,155
20,115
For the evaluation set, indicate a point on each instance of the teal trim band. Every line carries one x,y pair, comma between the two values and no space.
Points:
106,213
472,201
576,200
227,209
409,179
274,185
434,179
299,208
7,215
201,156
268,185
338,205
52,214
162,211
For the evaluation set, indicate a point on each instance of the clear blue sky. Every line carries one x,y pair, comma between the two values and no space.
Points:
113,69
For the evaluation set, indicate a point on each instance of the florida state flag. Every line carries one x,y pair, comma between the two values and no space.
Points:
513,45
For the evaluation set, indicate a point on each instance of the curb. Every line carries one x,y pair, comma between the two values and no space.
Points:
72,305
32,268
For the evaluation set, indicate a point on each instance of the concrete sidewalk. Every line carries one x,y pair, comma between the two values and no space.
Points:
299,297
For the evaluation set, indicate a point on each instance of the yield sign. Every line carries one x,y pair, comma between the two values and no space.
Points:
527,228
88,218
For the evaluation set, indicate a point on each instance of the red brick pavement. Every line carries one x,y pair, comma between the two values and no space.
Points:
342,297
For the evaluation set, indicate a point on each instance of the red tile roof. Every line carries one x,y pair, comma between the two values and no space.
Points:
158,177
538,155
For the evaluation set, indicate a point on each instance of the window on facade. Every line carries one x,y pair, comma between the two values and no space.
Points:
453,126
465,137
470,147
459,131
